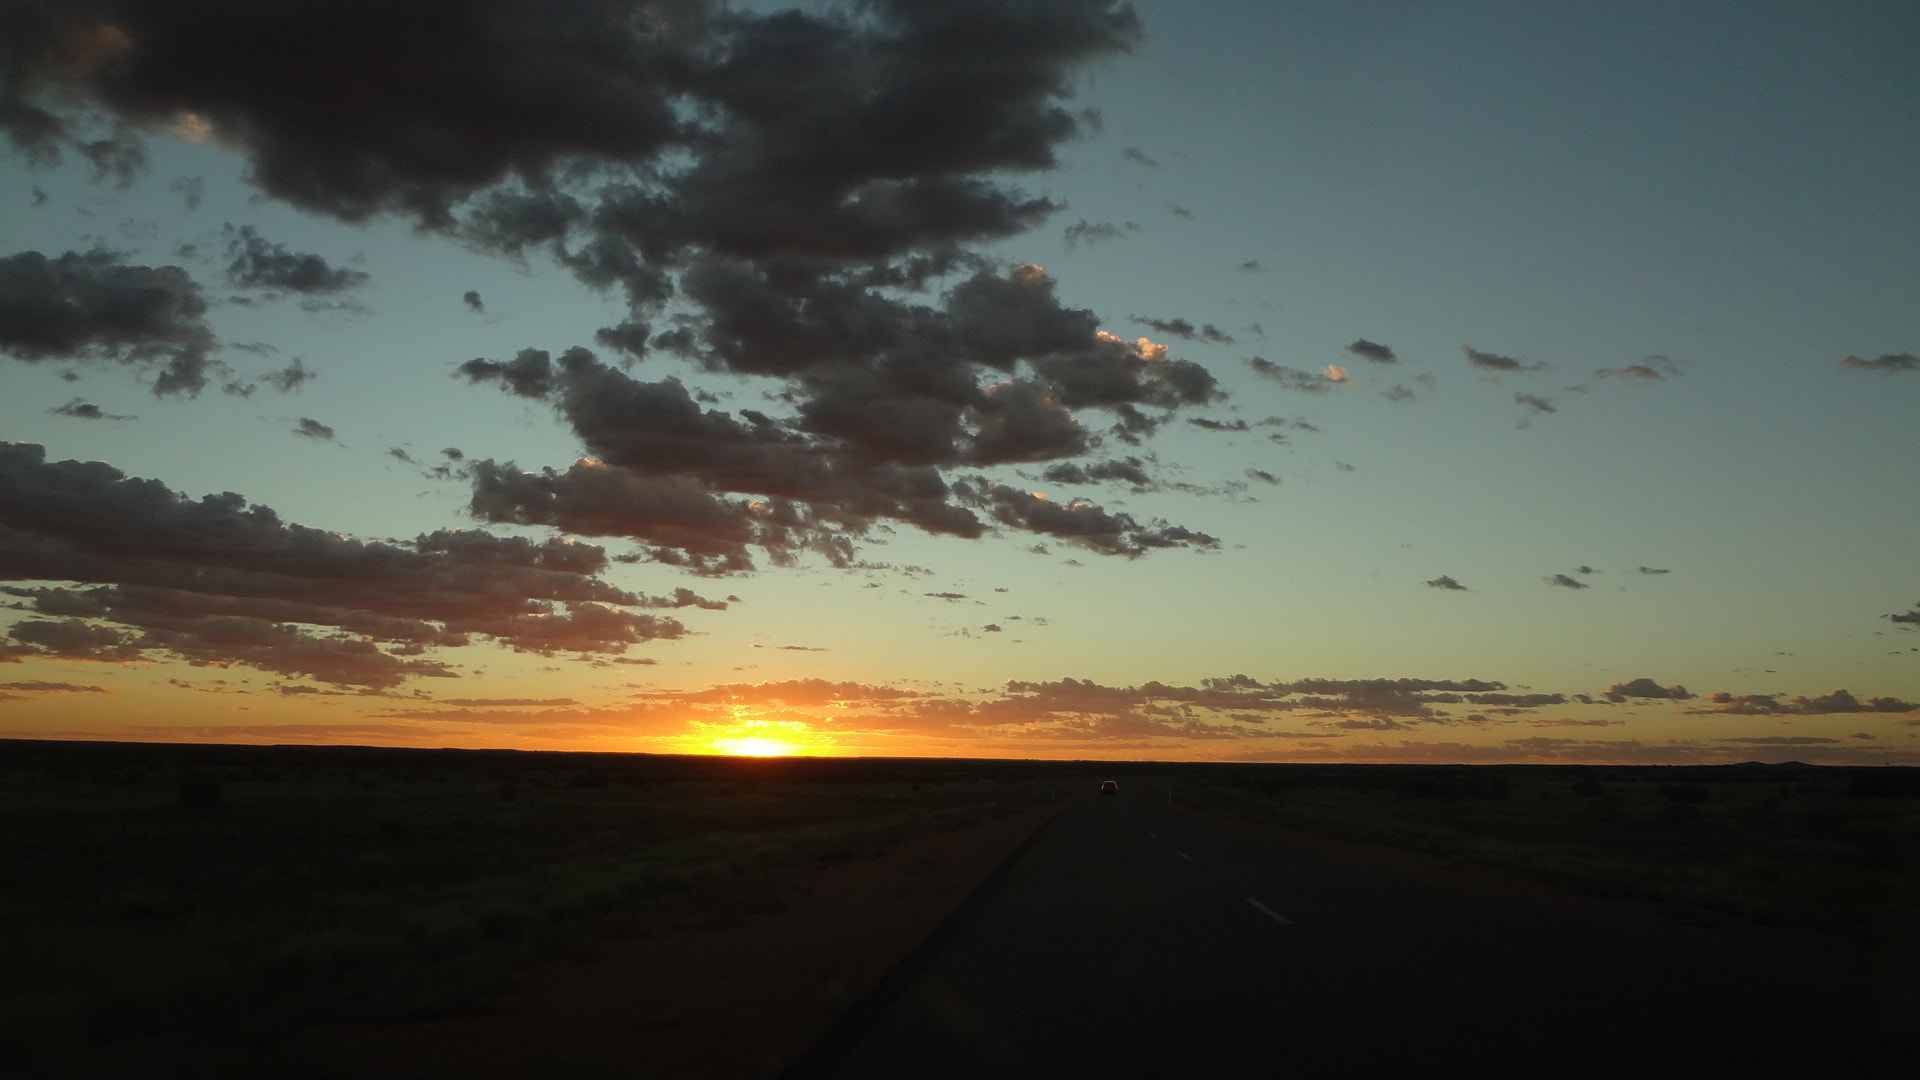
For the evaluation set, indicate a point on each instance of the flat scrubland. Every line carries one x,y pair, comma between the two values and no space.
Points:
1831,849
178,910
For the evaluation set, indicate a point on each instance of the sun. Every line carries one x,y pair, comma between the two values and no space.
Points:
754,746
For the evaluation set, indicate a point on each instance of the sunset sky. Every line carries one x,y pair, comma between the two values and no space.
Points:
1203,380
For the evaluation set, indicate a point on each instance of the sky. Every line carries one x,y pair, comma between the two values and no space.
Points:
1053,378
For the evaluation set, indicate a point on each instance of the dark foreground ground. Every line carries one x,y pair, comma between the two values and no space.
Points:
204,910
1137,940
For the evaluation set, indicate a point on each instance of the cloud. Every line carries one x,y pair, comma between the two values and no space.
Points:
1655,368
1305,382
1263,476
309,428
290,378
260,264
86,410
1838,701
1535,404
1565,582
871,436
471,298
1398,392
1185,330
1205,424
98,307
1652,570
1123,470
1911,618
1445,581
1139,157
217,581
1252,266
774,194
1887,364
1372,351
1495,364
1645,688
1094,232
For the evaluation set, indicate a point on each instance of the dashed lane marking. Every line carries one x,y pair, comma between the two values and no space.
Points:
1268,912
1184,855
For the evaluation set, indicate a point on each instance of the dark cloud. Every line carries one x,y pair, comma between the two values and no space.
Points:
1095,232
1645,688
1252,266
879,417
1372,351
1655,368
1080,522
1205,424
1888,363
1652,570
1839,701
1911,618
86,410
1494,363
1123,470
309,428
791,182
1185,330
1263,476
1445,581
218,582
98,307
1305,382
1534,403
1565,582
260,264
471,298
1139,157
1179,211
1584,569
1398,392
290,378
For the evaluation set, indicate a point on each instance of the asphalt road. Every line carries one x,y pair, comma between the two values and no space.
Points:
1131,940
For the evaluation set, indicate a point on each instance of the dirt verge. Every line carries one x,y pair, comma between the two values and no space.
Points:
728,1004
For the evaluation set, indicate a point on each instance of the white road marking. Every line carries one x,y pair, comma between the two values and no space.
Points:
1269,912
1184,855
1153,834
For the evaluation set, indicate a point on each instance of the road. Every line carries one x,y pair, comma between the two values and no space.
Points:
1134,940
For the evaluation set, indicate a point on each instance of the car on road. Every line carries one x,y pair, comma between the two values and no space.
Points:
1109,787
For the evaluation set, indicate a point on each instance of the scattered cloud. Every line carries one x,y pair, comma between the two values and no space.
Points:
260,264
217,581
1565,582
1645,688
1304,382
1887,363
1495,364
1185,330
1252,266
86,410
1652,570
1838,701
471,298
96,306
309,428
1139,157
1446,581
1655,368
1095,232
1373,352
